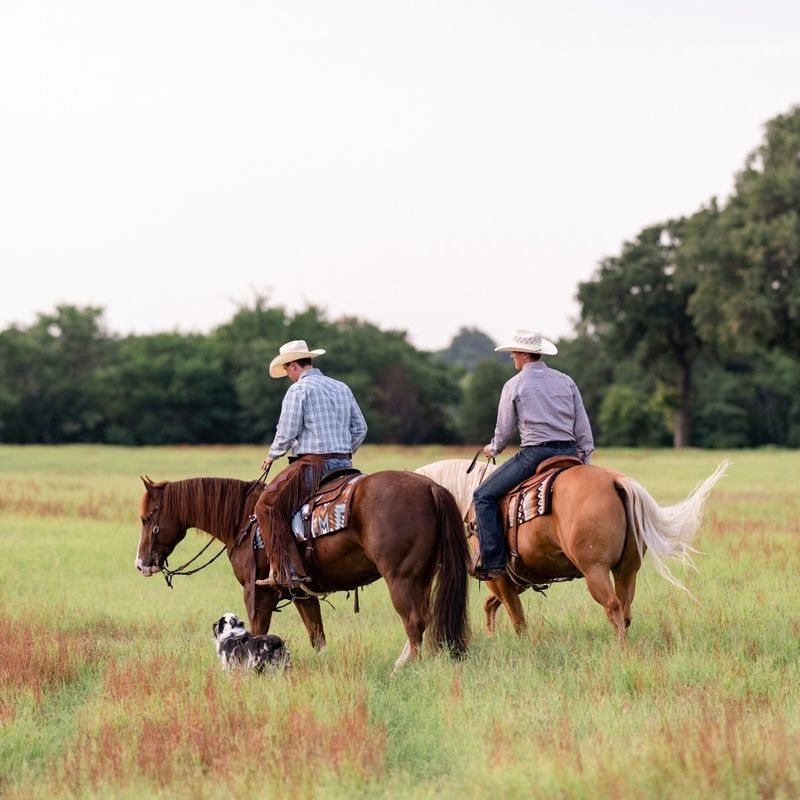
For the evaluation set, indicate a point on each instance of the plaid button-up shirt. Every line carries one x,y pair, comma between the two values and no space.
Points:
318,415
544,405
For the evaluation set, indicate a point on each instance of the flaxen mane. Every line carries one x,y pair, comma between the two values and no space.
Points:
452,473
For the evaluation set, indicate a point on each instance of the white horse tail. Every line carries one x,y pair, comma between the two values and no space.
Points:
668,533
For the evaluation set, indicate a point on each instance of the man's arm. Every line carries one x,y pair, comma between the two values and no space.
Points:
290,423
506,425
583,430
358,425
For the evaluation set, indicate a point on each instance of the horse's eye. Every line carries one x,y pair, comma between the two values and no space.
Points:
145,520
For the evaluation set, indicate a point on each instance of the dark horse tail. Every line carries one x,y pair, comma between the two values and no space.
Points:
449,625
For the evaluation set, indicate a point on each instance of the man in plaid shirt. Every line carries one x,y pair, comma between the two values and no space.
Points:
323,426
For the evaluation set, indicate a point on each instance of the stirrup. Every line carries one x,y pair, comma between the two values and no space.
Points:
295,583
481,573
304,592
489,573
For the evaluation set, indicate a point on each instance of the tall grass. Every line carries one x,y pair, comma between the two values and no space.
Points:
109,686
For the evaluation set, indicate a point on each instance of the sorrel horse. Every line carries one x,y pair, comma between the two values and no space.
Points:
601,522
403,527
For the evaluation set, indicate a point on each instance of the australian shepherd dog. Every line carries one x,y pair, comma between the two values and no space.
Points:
240,650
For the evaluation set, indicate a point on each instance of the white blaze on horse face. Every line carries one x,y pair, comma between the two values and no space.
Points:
139,563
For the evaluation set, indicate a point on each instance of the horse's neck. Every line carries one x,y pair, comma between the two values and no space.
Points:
220,508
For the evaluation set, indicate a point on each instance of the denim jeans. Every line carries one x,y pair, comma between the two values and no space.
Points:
491,529
332,464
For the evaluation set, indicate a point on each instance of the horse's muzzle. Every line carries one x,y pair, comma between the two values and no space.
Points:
147,570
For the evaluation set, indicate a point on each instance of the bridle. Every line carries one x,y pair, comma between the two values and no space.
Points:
168,573
163,563
152,556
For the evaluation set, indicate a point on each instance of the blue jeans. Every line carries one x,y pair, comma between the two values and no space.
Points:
332,464
491,529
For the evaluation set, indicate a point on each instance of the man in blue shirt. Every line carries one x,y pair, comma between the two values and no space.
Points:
545,407
323,426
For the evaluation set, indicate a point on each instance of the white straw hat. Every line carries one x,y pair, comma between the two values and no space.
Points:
528,342
291,351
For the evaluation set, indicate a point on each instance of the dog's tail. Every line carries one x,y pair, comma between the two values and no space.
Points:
450,614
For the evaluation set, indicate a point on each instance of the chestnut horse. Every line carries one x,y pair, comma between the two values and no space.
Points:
601,522
403,527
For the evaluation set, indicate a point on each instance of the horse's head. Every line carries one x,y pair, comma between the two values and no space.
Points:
161,531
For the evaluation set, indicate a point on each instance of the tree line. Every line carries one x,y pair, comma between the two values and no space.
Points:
689,336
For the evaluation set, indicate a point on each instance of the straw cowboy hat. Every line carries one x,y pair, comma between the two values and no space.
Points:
528,342
291,351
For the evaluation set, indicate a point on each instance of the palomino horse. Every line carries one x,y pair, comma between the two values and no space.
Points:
601,522
403,527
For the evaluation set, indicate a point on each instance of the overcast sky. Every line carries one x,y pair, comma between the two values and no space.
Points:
420,165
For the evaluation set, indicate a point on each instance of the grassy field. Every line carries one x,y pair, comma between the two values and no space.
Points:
109,686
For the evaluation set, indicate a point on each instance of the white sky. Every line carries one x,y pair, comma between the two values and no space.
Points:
420,165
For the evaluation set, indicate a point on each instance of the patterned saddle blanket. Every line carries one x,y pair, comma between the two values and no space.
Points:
329,510
534,496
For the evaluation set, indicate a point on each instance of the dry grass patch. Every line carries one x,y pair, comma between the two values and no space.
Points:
219,733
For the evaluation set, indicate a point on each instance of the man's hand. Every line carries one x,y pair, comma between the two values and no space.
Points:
266,463
488,452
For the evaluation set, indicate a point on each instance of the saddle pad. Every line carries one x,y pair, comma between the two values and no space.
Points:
532,498
328,511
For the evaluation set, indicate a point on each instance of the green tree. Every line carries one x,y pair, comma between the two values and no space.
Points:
407,396
748,401
50,388
246,346
629,418
468,347
746,256
481,390
168,388
637,307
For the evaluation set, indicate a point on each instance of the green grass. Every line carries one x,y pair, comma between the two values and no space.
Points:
109,686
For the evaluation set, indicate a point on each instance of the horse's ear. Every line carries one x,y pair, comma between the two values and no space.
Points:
148,484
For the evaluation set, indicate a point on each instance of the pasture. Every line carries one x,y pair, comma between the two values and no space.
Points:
109,685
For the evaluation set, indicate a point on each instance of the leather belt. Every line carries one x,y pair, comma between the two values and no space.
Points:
325,455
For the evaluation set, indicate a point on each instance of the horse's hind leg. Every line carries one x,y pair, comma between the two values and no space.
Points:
625,588
410,600
599,585
490,606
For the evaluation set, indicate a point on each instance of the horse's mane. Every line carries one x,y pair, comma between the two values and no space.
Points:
211,504
452,474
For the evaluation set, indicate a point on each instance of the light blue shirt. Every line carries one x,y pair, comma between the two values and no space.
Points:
318,415
544,405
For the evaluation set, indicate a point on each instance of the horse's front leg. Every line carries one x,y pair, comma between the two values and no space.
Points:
508,593
310,612
265,602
